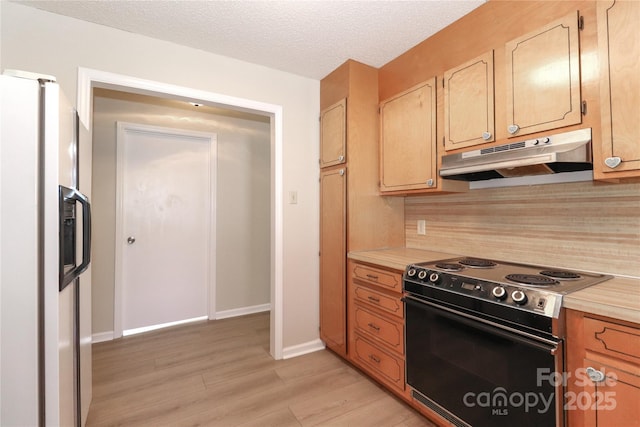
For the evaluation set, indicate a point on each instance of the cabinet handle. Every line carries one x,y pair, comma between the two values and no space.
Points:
513,129
612,162
595,375
374,299
374,327
341,158
374,358
372,276
430,182
486,136
341,172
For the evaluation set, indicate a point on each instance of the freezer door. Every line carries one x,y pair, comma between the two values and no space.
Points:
19,402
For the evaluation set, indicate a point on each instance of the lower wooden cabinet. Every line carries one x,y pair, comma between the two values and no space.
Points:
376,323
603,371
381,364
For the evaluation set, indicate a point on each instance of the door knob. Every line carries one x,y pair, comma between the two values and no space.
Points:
131,240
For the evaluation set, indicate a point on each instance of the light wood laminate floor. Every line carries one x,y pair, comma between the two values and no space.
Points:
220,373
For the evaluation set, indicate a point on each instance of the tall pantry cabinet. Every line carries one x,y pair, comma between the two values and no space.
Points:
353,216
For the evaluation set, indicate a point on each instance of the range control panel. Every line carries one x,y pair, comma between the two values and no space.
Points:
516,296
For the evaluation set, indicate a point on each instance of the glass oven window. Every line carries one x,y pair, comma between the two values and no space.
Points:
480,376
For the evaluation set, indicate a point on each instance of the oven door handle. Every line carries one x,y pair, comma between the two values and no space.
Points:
485,325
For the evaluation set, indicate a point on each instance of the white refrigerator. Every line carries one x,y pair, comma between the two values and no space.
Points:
45,230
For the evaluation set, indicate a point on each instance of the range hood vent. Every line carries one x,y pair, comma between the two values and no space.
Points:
563,152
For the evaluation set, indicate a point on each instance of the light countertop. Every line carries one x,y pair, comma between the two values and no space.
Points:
398,258
618,298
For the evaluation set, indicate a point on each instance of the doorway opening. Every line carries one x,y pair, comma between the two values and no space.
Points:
92,79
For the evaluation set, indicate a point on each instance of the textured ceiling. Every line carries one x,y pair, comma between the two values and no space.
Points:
308,38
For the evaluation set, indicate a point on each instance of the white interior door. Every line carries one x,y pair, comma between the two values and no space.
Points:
164,227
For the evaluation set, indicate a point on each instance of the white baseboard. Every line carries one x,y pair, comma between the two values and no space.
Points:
243,311
302,349
102,336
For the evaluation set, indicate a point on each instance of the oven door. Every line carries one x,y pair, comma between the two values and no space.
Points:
482,373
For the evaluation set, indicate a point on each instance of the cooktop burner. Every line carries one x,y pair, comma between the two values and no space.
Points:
531,279
477,263
449,266
561,275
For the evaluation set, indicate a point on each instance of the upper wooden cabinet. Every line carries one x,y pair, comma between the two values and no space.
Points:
543,78
408,139
619,53
468,103
333,134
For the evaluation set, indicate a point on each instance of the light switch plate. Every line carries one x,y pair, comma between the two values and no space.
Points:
422,227
293,197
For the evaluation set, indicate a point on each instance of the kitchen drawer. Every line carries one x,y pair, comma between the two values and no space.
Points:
378,277
389,304
378,327
383,365
612,339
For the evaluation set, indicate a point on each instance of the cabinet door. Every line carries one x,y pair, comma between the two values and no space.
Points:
333,134
468,103
384,366
407,139
619,52
389,332
333,259
543,78
614,401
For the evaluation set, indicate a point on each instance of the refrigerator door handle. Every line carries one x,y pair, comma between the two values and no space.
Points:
66,195
86,233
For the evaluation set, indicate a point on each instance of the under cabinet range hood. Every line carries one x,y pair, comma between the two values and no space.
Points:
562,152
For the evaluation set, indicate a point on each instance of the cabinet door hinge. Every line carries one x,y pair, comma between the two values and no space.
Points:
443,82
443,144
583,108
580,22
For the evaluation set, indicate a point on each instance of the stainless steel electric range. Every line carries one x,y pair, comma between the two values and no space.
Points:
481,347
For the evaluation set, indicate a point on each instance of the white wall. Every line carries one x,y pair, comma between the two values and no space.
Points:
47,43
243,203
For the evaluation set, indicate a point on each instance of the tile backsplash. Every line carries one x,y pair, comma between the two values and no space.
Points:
586,225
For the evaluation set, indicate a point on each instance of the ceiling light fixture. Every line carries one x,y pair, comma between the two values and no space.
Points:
196,104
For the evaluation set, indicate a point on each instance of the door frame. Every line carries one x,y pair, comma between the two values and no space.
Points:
118,300
90,78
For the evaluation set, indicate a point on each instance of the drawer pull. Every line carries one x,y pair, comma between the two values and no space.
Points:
372,276
374,299
374,358
595,375
374,326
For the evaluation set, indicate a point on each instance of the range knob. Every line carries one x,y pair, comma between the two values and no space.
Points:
434,278
519,297
422,274
499,292
411,272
